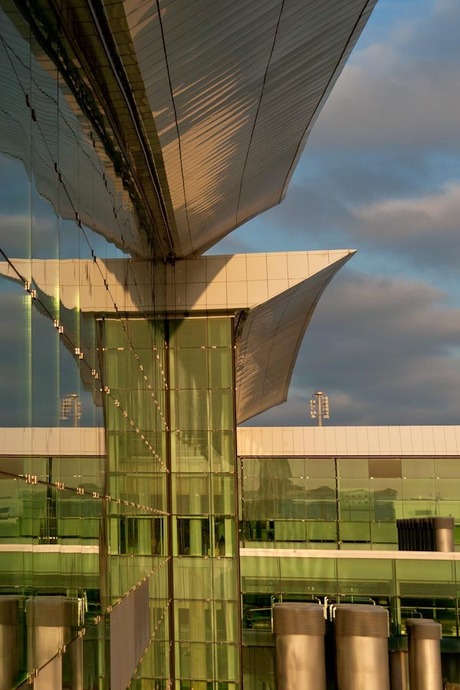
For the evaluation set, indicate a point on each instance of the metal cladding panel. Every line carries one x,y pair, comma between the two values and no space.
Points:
129,635
234,89
267,346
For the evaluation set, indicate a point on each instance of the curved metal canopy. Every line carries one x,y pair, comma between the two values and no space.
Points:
204,107
272,296
234,89
270,338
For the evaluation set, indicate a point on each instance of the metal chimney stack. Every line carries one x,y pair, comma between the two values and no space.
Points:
426,534
424,654
299,635
50,620
361,637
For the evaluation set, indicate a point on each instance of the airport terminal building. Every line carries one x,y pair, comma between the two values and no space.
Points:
315,523
134,136
319,516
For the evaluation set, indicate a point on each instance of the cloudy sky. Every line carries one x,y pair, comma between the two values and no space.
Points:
381,173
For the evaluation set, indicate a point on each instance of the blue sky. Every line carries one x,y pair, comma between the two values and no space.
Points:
381,174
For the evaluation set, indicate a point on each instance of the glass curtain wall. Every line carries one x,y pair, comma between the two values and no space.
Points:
161,508
343,502
203,476
60,199
56,183
170,430
412,588
135,383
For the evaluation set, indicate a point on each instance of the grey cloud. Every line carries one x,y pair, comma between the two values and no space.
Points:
386,352
380,173
402,93
435,34
425,228
365,113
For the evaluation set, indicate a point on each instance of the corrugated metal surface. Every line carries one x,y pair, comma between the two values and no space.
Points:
129,635
269,341
234,89
204,105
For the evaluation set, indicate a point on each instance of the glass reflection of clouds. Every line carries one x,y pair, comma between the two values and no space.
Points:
49,163
43,128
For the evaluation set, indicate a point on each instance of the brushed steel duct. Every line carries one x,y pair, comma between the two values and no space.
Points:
444,533
399,670
299,638
361,638
424,654
9,641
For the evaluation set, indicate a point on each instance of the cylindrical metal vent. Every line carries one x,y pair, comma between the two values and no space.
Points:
426,534
9,641
361,636
49,623
299,635
424,654
444,533
399,670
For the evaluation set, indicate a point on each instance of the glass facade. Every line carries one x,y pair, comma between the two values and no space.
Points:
300,516
120,560
324,502
160,508
134,549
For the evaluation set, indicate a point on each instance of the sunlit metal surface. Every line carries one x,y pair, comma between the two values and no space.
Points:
273,297
425,671
361,638
51,621
269,340
204,109
299,640
234,89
